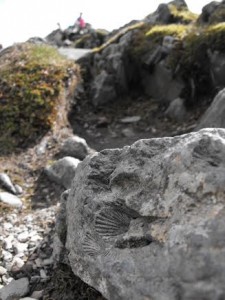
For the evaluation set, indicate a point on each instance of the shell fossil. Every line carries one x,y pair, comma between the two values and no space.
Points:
111,222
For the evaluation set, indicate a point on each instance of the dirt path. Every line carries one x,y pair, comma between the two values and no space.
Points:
122,123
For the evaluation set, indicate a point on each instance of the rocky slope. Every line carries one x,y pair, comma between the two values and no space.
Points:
149,79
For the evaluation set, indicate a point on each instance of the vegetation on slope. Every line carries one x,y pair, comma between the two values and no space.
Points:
32,85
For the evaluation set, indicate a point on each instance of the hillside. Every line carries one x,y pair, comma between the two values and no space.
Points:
158,80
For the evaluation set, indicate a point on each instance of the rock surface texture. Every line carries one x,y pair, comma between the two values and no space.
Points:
148,221
214,115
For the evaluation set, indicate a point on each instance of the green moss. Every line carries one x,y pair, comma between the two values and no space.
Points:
32,79
194,61
117,36
147,38
182,15
159,31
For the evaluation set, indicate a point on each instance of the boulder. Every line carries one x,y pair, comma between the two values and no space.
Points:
176,110
207,12
160,83
55,37
214,115
148,221
63,171
76,147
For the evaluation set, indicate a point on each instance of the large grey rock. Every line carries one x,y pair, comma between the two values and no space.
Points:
63,171
148,221
215,115
15,289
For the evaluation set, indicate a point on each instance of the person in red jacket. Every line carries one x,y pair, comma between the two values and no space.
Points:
80,23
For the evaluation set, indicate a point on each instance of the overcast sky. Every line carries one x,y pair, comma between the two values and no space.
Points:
22,19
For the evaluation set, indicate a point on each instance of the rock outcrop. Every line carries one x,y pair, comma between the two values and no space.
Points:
148,221
214,115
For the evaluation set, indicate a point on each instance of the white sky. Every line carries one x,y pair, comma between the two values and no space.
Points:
22,19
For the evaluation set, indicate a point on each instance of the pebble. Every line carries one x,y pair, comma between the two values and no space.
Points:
2,271
23,237
15,289
26,249
10,199
37,294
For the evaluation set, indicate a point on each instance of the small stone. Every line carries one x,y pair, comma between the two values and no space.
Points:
15,289
128,132
7,256
6,182
35,279
75,146
3,271
11,200
18,189
47,261
7,226
38,262
7,243
17,264
37,294
132,119
23,237
43,274
35,238
20,248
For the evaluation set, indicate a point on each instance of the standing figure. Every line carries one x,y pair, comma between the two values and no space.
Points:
80,24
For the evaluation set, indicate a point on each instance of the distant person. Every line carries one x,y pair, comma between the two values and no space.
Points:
80,23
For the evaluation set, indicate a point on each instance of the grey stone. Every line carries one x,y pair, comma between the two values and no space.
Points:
217,68
132,119
214,115
15,289
18,189
2,271
128,132
63,171
103,89
75,146
160,84
6,182
37,294
148,221
23,237
176,110
10,199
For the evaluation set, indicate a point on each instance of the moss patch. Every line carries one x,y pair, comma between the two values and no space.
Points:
157,32
182,15
32,81
117,36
